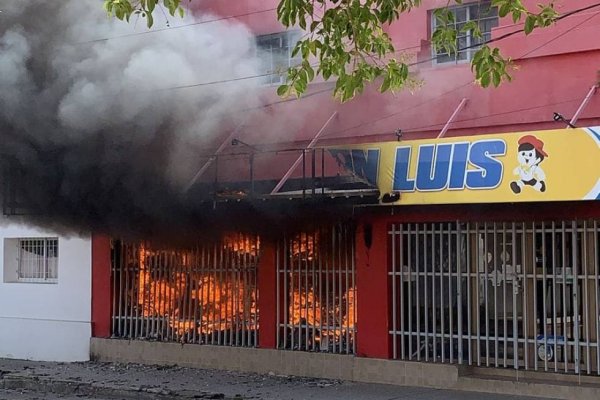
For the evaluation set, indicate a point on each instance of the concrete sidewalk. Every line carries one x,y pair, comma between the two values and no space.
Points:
132,381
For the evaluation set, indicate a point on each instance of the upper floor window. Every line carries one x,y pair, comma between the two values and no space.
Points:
31,260
486,17
276,54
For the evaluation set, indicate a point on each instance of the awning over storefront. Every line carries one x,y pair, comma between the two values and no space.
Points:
552,165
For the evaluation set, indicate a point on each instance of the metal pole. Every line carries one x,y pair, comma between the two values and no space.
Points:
299,159
458,109
207,164
583,105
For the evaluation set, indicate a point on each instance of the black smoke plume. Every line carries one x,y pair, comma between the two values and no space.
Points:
95,133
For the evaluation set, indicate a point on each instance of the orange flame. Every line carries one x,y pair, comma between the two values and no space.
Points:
193,298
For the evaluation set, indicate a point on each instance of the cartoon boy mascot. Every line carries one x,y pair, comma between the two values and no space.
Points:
530,155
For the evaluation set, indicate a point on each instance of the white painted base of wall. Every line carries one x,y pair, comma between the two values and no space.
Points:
44,340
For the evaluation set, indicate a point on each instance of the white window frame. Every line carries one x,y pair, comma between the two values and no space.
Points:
468,36
40,264
276,77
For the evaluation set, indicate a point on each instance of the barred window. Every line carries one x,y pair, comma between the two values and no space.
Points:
467,45
275,51
37,260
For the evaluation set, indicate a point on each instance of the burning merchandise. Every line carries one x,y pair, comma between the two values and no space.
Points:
206,294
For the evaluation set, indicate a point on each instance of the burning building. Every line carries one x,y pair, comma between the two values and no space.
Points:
453,226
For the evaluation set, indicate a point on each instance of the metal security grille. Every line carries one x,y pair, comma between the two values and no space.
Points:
38,260
316,291
518,295
206,294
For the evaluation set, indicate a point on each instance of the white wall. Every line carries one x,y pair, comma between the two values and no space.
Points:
45,321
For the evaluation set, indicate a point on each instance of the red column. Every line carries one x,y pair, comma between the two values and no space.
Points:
372,289
267,296
101,287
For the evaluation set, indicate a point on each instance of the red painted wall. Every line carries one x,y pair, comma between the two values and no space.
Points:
555,69
101,286
372,288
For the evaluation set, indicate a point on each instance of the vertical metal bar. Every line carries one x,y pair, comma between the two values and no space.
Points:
554,296
322,256
394,299
515,312
410,281
525,301
158,283
505,330
292,294
450,294
175,314
442,313
564,295
286,291
426,294
256,315
219,265
196,283
153,293
459,294
278,292
545,295
133,299
469,297
328,260
127,322
486,293
477,291
314,289
400,302
597,292
586,295
535,294
340,290
229,274
352,260
167,294
417,291
210,266
496,276
188,294
191,273
307,291
433,290
301,293
236,293
575,299
248,291
347,288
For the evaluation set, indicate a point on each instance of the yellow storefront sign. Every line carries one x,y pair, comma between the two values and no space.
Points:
552,165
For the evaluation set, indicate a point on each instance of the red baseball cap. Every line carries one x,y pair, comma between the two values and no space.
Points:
535,142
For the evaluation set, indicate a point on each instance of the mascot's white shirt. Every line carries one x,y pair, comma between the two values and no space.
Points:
528,173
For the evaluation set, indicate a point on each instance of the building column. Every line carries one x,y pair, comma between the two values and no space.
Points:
372,288
101,286
267,295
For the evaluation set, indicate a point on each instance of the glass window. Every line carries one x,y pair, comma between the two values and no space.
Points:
486,17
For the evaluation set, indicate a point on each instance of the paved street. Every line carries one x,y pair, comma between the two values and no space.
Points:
103,381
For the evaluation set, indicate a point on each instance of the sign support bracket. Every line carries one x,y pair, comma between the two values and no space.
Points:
297,162
583,105
452,117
